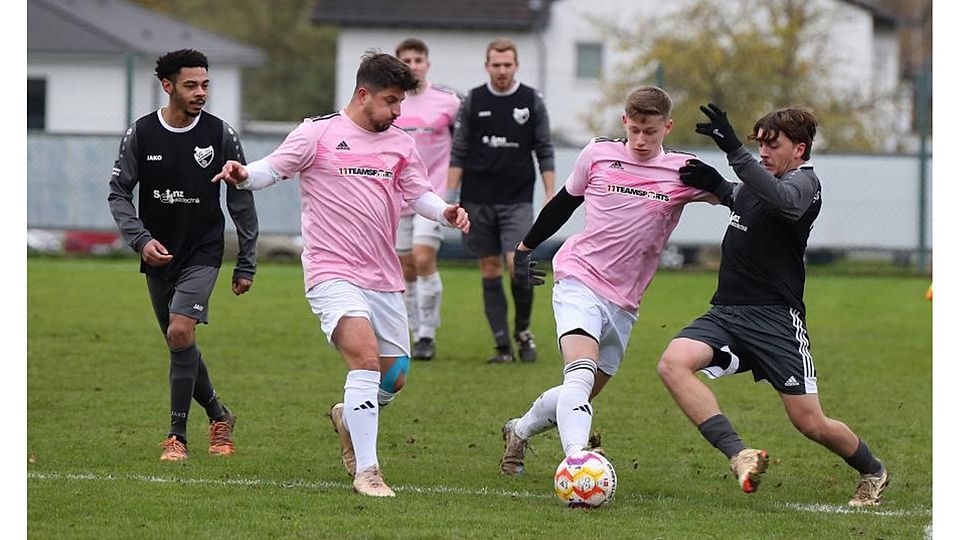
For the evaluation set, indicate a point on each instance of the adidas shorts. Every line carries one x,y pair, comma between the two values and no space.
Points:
334,299
770,341
189,295
576,306
417,230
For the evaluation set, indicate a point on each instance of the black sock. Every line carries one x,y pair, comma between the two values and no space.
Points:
863,461
183,374
204,393
718,430
495,306
523,302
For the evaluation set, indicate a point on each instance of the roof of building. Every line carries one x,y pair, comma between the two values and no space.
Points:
109,27
523,15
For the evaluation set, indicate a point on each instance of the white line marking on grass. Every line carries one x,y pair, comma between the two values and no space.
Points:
843,509
255,482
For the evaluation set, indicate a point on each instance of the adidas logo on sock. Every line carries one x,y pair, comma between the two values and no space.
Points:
343,146
616,165
584,408
364,406
791,382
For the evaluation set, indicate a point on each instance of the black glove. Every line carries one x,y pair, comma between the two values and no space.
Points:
719,129
700,175
524,273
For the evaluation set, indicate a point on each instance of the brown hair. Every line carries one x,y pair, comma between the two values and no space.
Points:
378,71
797,123
412,44
648,101
502,45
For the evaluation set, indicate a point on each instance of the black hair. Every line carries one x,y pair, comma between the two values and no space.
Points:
170,64
378,71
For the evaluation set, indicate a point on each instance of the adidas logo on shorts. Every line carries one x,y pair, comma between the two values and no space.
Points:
791,382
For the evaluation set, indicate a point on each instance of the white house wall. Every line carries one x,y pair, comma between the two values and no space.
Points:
457,56
89,95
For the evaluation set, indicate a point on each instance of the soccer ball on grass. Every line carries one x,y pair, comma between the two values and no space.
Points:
585,480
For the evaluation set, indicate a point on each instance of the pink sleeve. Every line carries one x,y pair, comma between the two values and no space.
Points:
296,152
413,176
576,183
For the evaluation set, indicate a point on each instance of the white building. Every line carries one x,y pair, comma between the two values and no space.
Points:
90,65
563,53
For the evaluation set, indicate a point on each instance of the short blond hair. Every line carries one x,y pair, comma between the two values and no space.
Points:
648,101
502,45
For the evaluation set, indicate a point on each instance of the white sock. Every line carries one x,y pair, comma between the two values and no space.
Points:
413,312
361,414
429,294
574,412
541,416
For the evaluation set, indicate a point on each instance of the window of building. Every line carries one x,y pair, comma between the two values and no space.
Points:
36,103
589,60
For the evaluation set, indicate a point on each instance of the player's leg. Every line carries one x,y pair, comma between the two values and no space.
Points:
793,374
704,345
483,242
405,253
161,292
426,244
515,221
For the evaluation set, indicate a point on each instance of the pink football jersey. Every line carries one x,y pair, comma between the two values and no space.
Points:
631,208
429,117
352,182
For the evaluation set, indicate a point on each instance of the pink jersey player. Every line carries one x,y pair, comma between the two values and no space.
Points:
634,197
355,168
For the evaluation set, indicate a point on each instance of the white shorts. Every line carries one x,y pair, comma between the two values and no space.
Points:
417,230
576,306
333,299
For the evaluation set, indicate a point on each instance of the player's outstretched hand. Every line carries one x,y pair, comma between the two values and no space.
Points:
233,172
525,272
719,128
698,174
457,217
155,254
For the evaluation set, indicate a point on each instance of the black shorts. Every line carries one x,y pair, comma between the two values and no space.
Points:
496,229
189,295
770,341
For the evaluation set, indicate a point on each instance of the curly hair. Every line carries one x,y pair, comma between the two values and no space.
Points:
170,64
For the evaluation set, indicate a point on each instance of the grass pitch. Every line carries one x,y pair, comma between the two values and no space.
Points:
98,400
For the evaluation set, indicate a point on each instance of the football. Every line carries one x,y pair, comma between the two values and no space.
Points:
585,480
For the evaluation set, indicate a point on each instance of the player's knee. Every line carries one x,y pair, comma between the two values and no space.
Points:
393,379
424,264
179,336
670,364
812,426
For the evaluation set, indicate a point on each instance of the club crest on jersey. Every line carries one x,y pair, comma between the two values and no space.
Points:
521,115
204,156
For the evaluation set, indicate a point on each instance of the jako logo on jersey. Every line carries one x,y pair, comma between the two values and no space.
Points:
203,155
198,307
361,171
521,115
494,141
173,197
343,146
735,222
616,165
637,192
484,114
154,157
